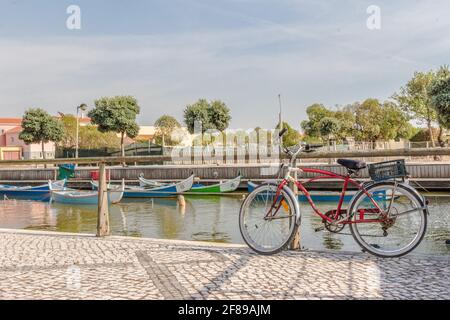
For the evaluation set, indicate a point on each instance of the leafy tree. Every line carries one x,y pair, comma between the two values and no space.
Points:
291,137
376,121
197,112
422,134
89,136
69,123
440,97
212,115
329,127
165,126
346,119
40,127
369,116
315,112
394,123
219,115
116,114
414,98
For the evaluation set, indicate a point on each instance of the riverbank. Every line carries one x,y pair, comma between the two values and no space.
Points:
46,265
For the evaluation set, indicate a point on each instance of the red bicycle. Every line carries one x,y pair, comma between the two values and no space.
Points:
387,217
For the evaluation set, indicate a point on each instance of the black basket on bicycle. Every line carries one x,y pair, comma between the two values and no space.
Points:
387,170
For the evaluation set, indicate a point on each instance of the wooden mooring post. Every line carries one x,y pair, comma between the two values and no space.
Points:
295,243
103,229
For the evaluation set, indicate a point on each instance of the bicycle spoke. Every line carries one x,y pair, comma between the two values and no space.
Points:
400,226
268,223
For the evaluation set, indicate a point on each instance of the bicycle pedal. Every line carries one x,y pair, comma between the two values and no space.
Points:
319,229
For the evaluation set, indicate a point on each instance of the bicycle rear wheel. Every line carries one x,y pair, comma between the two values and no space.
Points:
397,235
268,235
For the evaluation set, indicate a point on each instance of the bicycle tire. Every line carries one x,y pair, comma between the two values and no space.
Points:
242,229
410,247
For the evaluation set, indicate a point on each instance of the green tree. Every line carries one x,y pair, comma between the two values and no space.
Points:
69,123
394,123
368,117
440,99
291,137
116,114
165,126
414,98
346,118
219,115
197,112
40,127
89,136
212,115
315,112
376,121
329,127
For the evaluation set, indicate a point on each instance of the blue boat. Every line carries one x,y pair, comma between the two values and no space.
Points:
316,196
36,193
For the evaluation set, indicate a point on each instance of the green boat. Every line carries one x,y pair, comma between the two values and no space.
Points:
223,187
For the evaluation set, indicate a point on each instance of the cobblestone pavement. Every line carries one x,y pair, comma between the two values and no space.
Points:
35,265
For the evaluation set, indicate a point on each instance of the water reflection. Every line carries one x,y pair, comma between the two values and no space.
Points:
205,218
331,242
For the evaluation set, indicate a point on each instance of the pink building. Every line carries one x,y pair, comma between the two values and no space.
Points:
12,148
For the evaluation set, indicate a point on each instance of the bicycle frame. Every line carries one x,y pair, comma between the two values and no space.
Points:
347,180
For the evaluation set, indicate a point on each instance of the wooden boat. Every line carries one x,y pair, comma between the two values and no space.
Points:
36,193
223,187
167,190
316,196
77,197
149,183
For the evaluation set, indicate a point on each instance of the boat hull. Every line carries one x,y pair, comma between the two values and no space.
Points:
81,198
38,193
165,191
75,197
224,187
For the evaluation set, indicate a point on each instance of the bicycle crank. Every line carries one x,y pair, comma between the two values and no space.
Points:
334,226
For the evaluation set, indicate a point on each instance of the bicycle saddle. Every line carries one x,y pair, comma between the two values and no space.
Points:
352,164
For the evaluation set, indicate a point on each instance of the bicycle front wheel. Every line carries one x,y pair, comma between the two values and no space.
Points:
403,218
268,222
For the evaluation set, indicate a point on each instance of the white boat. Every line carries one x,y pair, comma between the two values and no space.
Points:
72,196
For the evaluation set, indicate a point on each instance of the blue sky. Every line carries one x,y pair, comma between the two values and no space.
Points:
244,52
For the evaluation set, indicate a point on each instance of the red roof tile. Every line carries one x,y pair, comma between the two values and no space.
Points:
15,130
16,121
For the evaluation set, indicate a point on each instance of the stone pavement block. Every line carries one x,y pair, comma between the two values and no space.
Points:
41,265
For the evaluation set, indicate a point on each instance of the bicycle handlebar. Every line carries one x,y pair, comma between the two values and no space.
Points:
282,132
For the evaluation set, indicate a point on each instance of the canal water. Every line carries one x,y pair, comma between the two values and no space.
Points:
205,218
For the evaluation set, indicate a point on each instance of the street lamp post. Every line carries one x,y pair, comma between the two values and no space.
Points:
280,120
82,107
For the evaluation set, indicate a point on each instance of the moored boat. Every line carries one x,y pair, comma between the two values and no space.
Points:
223,187
35,193
77,197
149,183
